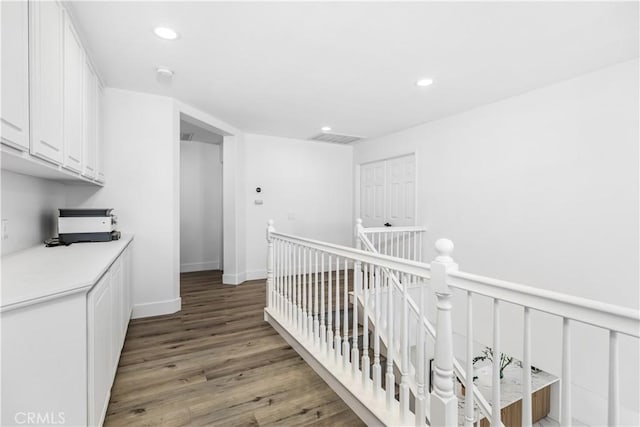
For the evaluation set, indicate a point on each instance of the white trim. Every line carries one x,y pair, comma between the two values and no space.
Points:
233,279
156,308
255,275
199,266
350,390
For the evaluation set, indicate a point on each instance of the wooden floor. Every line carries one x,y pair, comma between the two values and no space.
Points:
217,362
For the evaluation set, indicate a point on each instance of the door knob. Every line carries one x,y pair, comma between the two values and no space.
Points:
386,224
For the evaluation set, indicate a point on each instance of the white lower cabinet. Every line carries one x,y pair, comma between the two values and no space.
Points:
108,317
101,354
59,356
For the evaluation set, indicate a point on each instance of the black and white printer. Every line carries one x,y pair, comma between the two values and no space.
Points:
87,225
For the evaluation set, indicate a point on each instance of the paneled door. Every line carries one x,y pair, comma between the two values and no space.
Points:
387,192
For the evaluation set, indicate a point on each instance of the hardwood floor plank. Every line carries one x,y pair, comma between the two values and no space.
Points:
217,363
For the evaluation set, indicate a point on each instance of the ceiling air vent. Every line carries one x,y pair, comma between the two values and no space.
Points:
186,136
335,138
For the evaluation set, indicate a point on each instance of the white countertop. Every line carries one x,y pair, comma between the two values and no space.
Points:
38,274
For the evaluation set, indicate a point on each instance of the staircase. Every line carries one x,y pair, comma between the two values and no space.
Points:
359,319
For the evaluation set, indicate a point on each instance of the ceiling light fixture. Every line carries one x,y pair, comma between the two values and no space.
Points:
164,72
424,82
325,128
165,33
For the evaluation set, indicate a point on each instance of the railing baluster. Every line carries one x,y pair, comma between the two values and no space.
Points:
357,280
336,336
404,353
323,328
345,324
614,391
565,405
390,381
296,287
309,319
316,319
403,245
420,398
468,401
526,371
301,290
377,381
366,293
330,347
495,384
287,290
386,243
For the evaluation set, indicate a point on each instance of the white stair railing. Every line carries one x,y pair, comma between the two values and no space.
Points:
392,240
304,275
308,285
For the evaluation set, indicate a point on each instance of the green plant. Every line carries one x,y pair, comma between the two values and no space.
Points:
487,354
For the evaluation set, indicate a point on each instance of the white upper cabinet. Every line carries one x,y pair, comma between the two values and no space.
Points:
73,98
15,74
46,38
99,135
90,103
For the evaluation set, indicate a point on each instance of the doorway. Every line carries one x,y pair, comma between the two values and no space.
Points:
388,192
201,225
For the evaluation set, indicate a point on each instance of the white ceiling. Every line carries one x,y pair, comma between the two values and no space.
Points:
288,68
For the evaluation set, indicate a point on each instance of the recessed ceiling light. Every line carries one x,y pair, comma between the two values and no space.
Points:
424,82
164,72
325,128
165,33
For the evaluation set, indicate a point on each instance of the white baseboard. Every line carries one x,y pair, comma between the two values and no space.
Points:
256,275
233,279
156,308
189,267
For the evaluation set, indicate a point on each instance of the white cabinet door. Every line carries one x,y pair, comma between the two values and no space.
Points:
126,294
100,326
117,336
99,135
46,80
73,98
387,192
15,74
90,89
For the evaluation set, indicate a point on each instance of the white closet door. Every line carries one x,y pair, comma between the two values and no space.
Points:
400,209
387,192
372,194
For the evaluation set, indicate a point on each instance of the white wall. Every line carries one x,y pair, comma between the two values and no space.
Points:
200,206
31,207
141,152
542,189
306,189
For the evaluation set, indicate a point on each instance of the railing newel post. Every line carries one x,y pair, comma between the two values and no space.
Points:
444,403
270,230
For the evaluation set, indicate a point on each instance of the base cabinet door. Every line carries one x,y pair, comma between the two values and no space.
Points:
117,336
100,327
